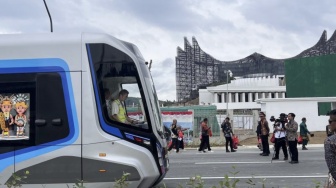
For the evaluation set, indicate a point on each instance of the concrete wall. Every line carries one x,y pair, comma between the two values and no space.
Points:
237,105
205,97
307,109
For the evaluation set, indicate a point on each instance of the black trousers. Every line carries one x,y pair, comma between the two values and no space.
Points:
304,142
265,144
228,140
293,149
204,142
280,143
181,143
175,143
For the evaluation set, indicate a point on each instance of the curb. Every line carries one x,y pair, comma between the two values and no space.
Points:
271,146
255,147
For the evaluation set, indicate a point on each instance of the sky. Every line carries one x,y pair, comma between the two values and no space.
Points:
227,30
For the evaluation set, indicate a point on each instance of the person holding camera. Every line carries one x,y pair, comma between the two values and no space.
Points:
264,133
292,128
280,138
304,133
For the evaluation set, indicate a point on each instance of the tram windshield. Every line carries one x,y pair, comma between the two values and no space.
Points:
121,94
153,99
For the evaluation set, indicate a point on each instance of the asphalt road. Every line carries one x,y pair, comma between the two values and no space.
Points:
247,164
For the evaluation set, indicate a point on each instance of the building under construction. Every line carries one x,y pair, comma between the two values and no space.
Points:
196,69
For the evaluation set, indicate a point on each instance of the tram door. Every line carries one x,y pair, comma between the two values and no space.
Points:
44,128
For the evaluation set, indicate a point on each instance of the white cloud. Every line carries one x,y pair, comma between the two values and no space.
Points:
228,30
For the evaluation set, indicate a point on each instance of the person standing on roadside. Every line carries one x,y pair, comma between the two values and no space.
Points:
264,133
330,150
280,140
174,136
292,128
180,137
304,133
205,136
258,131
227,130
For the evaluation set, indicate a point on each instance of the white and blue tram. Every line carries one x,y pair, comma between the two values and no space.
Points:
55,83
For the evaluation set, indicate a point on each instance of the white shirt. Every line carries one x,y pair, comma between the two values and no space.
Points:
278,133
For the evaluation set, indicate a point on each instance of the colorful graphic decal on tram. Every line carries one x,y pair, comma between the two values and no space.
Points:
14,116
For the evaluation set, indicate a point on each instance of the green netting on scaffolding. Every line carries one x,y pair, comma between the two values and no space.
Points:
312,77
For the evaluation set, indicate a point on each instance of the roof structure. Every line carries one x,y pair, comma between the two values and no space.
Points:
197,69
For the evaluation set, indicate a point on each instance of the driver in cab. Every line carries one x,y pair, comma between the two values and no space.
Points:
119,111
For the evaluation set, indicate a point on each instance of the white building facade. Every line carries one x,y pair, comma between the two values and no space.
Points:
269,96
242,92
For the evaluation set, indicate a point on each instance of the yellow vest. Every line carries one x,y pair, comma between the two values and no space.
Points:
122,112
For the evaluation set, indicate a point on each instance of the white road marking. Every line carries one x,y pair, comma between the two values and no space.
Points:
251,177
239,162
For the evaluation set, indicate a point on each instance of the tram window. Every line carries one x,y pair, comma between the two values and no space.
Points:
115,71
30,104
133,103
51,106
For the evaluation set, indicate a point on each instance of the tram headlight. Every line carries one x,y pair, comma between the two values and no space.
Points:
138,138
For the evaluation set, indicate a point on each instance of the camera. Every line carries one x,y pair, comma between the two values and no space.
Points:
279,122
282,118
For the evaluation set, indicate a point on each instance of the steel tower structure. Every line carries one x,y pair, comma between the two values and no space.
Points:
196,69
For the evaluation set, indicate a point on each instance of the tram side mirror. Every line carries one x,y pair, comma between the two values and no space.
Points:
56,122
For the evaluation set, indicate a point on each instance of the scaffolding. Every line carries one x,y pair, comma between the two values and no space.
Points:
195,69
